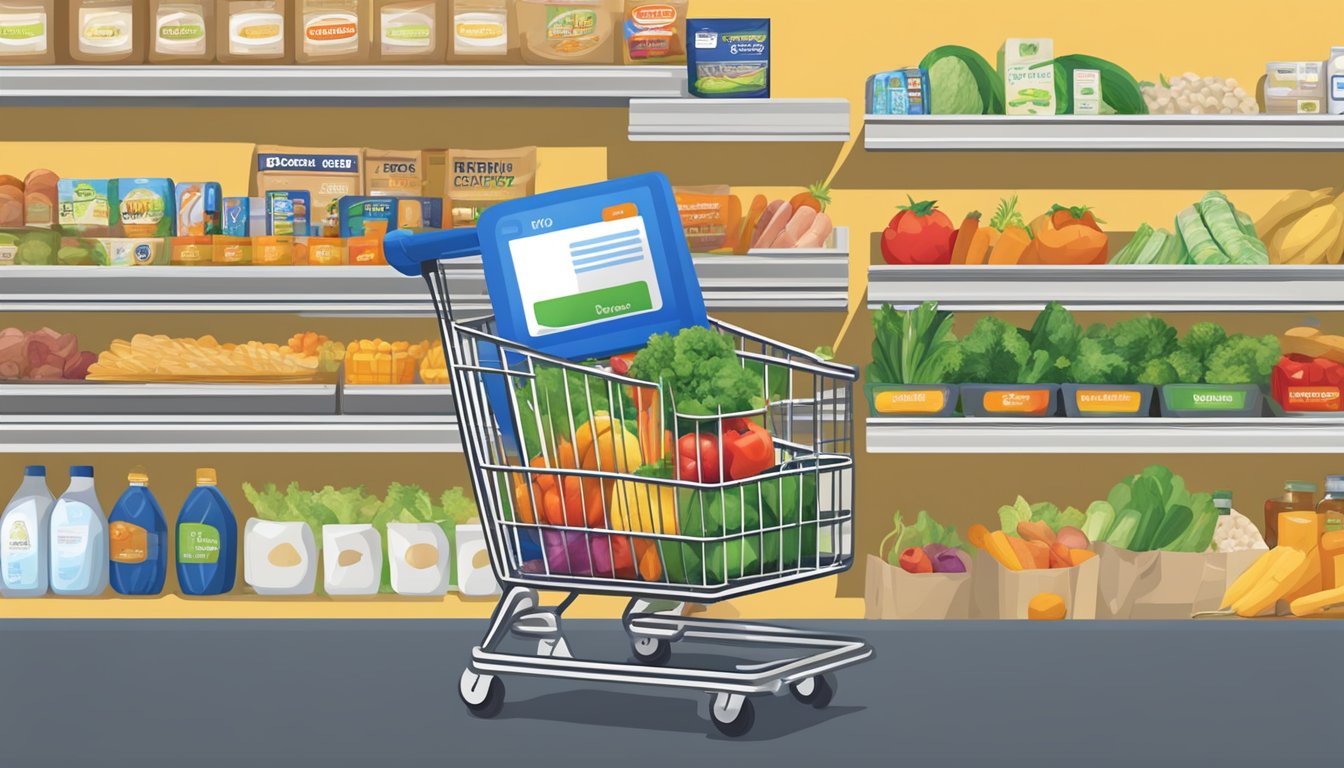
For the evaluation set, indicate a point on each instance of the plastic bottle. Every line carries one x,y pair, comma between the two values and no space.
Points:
1331,507
78,538
1296,496
23,537
207,540
138,538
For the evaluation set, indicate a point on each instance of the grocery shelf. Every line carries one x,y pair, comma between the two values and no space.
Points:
103,399
767,279
229,434
1296,435
739,120
195,86
1112,132
1107,287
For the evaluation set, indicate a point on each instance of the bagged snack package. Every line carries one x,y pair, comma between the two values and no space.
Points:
106,31
482,32
331,32
654,32
478,178
394,172
409,31
892,593
567,31
252,32
182,32
28,29
709,216
326,174
728,58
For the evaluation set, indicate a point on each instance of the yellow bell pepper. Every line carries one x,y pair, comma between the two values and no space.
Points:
642,507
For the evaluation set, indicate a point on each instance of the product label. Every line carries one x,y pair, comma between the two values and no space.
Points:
197,543
180,32
654,15
571,30
8,254
1205,399
23,32
129,543
1108,401
330,33
1030,402
257,34
480,32
405,32
141,209
345,164
910,401
19,558
71,559
105,30
1313,399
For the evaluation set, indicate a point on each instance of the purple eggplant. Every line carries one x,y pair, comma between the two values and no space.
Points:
950,561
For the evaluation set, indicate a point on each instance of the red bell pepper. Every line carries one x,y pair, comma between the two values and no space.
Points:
748,450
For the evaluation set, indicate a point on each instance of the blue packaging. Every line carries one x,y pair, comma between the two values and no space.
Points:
207,540
138,538
898,92
287,213
728,58
358,213
237,216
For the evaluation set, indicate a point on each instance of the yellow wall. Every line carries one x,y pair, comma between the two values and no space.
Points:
820,49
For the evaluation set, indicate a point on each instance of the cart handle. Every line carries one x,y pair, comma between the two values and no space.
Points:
410,253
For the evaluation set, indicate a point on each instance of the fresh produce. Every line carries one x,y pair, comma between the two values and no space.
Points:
160,358
747,450
1070,235
995,352
42,355
1214,233
1236,532
644,507
719,513
1290,571
700,373
817,197
918,234
1013,238
966,234
588,554
786,224
1047,606
1154,510
1304,228
1152,246
962,82
434,369
332,506
374,361
924,547
1120,92
914,346
1190,94
1310,375
1017,553
1043,521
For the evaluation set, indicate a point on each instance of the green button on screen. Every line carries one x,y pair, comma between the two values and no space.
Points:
602,304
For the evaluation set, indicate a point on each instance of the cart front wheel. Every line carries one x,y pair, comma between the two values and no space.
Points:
653,651
733,714
815,691
483,694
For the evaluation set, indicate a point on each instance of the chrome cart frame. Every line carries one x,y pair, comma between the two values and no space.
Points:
552,447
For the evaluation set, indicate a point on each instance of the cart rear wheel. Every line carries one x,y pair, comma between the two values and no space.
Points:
653,651
816,691
733,714
483,694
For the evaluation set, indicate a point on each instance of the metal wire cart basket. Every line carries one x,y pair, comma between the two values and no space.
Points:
555,450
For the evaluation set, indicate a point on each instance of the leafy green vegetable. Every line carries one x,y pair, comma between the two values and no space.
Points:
924,532
1042,512
1243,359
1097,361
995,352
1158,512
557,401
700,369
914,346
1056,334
962,82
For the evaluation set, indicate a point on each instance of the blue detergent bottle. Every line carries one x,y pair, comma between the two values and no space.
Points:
138,540
207,540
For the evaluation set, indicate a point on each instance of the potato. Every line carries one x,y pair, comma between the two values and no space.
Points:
1072,538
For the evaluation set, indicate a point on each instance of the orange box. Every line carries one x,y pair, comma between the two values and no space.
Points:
365,251
273,250
232,250
326,251
191,251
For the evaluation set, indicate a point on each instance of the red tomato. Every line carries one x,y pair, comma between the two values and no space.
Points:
698,458
919,234
748,449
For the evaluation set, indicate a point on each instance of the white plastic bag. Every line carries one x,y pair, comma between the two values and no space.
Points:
279,558
419,557
352,559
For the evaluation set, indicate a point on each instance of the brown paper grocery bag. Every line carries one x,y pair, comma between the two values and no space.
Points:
1077,585
891,593
1165,585
1118,577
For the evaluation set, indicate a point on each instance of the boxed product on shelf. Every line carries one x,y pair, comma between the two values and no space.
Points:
1309,378
367,216
145,207
898,92
29,30
288,213
566,31
331,32
325,173
86,206
1334,72
394,172
478,178
273,250
322,251
231,250
252,32
1026,65
279,557
199,208
107,31
237,216
364,251
191,251
181,32
1295,88
655,33
728,58
409,31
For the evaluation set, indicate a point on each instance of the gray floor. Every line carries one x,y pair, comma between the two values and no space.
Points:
258,693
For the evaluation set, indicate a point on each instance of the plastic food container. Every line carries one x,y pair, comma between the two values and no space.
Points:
911,399
1009,400
1189,401
1107,400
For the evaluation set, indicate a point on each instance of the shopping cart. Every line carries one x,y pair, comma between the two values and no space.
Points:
554,449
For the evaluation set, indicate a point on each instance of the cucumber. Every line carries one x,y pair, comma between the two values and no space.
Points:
1119,90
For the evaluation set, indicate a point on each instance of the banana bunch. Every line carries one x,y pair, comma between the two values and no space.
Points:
1305,227
1271,578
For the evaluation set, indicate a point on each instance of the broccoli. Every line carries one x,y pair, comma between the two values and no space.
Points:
1188,365
995,352
1243,359
1157,373
1141,339
701,372
1097,363
1056,334
1201,340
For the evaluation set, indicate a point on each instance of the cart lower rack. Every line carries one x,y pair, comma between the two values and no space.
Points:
592,482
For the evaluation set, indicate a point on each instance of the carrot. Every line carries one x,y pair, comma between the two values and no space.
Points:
1080,556
999,546
1022,549
817,197
976,535
981,243
969,227
1060,557
1010,247
1040,553
754,213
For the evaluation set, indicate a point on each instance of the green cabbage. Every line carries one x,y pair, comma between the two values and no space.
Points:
953,89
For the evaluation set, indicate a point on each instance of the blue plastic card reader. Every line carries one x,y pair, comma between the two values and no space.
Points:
578,273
